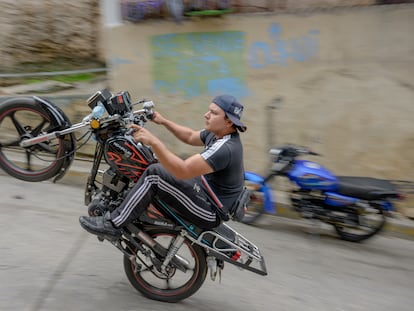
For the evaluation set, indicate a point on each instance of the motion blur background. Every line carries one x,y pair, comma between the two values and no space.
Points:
333,75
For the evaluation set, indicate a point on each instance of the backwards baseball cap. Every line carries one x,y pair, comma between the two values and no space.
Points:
232,108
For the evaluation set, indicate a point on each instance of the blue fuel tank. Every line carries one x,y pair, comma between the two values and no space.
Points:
312,176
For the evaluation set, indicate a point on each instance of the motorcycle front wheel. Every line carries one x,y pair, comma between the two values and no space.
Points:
175,284
255,208
356,227
22,119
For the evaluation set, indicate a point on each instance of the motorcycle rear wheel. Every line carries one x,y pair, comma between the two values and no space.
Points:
366,224
178,285
22,119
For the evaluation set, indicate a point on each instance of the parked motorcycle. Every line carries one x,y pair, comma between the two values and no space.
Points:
166,257
355,206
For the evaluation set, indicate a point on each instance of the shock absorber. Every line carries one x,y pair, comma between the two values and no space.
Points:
172,251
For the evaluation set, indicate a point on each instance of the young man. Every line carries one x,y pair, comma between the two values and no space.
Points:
188,185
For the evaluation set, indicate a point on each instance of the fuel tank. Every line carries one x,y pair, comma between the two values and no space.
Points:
127,157
312,176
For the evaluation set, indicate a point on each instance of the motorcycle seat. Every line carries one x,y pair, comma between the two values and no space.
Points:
366,188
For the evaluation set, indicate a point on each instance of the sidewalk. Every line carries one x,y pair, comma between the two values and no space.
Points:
398,226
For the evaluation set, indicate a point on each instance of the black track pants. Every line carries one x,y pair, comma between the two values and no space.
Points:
186,196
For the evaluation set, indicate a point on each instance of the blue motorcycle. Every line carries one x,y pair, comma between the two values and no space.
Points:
355,206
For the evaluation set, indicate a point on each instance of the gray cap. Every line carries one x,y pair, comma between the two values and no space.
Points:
232,108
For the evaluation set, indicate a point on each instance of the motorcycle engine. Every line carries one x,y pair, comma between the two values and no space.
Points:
110,196
309,205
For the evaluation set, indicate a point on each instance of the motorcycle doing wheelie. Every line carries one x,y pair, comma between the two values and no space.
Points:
166,257
355,206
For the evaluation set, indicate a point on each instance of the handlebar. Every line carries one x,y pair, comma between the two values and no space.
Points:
292,151
139,117
284,156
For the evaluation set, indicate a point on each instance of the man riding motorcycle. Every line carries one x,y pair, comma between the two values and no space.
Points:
202,187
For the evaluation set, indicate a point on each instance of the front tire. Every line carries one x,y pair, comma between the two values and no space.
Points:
20,119
175,286
255,208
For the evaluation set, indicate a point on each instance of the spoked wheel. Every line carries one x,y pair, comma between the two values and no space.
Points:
255,208
174,284
21,120
359,227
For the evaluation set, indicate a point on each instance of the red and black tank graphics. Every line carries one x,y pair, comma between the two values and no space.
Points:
129,158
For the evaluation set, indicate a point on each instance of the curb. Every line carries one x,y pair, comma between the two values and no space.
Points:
397,226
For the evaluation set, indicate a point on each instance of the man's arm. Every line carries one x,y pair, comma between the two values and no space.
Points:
183,133
183,169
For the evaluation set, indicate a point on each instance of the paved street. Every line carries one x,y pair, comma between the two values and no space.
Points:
47,262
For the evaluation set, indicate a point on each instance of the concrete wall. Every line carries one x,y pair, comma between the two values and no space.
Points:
43,31
345,77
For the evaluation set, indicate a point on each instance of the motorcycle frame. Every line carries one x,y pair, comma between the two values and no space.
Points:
240,243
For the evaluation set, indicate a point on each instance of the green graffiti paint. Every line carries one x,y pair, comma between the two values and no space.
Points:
191,64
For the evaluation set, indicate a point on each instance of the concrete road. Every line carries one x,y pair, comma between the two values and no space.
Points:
47,262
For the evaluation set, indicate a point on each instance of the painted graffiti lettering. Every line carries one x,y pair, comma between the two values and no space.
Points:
280,51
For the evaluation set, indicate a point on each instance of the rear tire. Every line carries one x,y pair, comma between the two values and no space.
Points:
367,225
21,119
157,286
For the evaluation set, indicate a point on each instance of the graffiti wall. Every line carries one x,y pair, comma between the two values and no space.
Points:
209,63
192,64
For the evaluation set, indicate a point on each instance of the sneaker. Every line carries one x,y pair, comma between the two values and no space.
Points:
100,225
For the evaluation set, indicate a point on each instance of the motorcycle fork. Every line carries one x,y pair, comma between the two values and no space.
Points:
90,185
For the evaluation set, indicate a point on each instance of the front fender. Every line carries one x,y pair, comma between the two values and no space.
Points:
269,203
61,121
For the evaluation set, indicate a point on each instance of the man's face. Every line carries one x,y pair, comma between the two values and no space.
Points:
215,119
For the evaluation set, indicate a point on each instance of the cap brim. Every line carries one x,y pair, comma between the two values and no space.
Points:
239,124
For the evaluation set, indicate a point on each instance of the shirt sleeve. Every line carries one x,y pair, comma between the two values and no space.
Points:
217,155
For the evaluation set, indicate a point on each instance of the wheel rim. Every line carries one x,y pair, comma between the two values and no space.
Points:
22,123
176,282
364,224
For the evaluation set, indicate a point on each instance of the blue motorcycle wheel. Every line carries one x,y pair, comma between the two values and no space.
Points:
361,226
255,208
